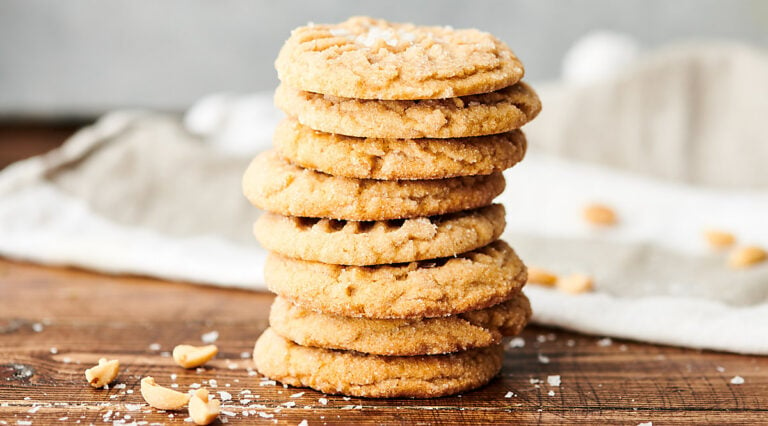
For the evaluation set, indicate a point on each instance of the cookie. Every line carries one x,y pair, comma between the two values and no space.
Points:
430,288
375,59
397,159
475,115
276,185
374,376
400,337
344,242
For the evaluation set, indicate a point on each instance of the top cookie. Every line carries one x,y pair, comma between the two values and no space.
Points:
367,58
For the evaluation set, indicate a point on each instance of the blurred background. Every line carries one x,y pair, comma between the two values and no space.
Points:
77,59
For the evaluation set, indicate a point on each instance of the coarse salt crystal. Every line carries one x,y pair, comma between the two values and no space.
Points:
509,394
553,380
604,342
225,396
303,423
210,337
737,380
551,393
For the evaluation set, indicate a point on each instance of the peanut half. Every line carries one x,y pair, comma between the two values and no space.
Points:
188,356
719,239
160,397
599,214
745,257
202,409
541,276
102,374
575,283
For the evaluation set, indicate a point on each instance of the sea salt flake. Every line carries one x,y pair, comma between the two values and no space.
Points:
154,346
245,355
289,404
267,383
553,380
210,337
304,423
33,410
551,393
645,424
509,394
720,369
604,342
543,359
517,342
225,396
737,380
266,415
54,350
297,395
323,401
37,327
133,407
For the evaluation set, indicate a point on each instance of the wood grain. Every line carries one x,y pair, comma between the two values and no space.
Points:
85,316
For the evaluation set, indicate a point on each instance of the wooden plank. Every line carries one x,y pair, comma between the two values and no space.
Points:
85,316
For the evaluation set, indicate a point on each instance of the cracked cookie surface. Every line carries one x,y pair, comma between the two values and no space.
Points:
430,288
379,242
396,159
400,337
374,59
374,376
275,185
476,115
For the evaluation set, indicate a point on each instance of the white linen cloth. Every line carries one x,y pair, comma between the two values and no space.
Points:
138,193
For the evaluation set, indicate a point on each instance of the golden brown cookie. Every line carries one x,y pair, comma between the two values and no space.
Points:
401,337
374,376
276,185
475,115
430,288
375,59
373,243
397,159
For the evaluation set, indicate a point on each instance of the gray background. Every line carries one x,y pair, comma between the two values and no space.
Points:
79,58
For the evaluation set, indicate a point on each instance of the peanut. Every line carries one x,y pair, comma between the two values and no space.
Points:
188,356
719,239
202,409
745,257
160,397
599,214
575,283
541,276
102,374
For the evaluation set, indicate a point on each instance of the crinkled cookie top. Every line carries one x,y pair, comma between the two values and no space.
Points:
367,58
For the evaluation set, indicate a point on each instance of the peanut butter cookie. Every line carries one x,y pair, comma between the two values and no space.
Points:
375,59
275,185
397,159
401,337
345,242
430,288
475,115
374,376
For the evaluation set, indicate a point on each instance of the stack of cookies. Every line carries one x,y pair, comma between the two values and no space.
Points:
385,257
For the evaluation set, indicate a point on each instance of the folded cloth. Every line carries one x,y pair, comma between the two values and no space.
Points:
138,193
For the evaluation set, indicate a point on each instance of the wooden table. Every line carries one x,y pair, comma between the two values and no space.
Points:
56,322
